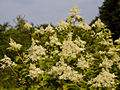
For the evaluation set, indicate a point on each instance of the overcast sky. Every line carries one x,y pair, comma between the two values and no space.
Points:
46,11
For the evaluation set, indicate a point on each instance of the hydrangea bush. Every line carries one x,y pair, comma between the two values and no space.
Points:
70,56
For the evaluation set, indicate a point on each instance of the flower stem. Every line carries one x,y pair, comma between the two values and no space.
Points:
61,85
20,56
17,74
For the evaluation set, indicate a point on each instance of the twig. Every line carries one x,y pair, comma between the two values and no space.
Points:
61,85
20,56
17,74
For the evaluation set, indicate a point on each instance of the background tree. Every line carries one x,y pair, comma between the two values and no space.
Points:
4,27
110,15
20,21
19,34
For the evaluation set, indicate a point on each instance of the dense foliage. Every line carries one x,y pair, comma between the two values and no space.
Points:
110,15
70,56
19,34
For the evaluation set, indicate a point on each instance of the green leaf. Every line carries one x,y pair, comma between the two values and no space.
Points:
7,77
17,58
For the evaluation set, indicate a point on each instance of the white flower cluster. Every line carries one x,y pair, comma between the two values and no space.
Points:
74,11
13,45
116,58
106,42
106,52
99,24
111,51
65,72
89,57
62,25
35,52
117,41
80,42
107,63
83,25
7,61
104,79
69,48
34,72
70,36
82,63
118,65
27,25
100,34
55,52
72,75
114,49
54,40
49,28
78,17
41,31
72,48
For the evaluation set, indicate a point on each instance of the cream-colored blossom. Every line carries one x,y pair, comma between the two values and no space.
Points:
100,34
111,51
70,36
82,63
7,60
106,42
102,52
118,65
107,63
89,58
74,11
117,41
80,25
59,68
54,40
27,25
104,79
72,75
41,31
83,25
80,42
62,25
98,23
49,28
55,52
35,52
116,57
47,43
106,52
78,17
13,45
65,72
3,66
34,71
86,26
69,48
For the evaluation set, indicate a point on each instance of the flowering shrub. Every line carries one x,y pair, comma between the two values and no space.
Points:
73,55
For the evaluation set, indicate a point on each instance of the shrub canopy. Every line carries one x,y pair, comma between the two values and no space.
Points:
72,55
